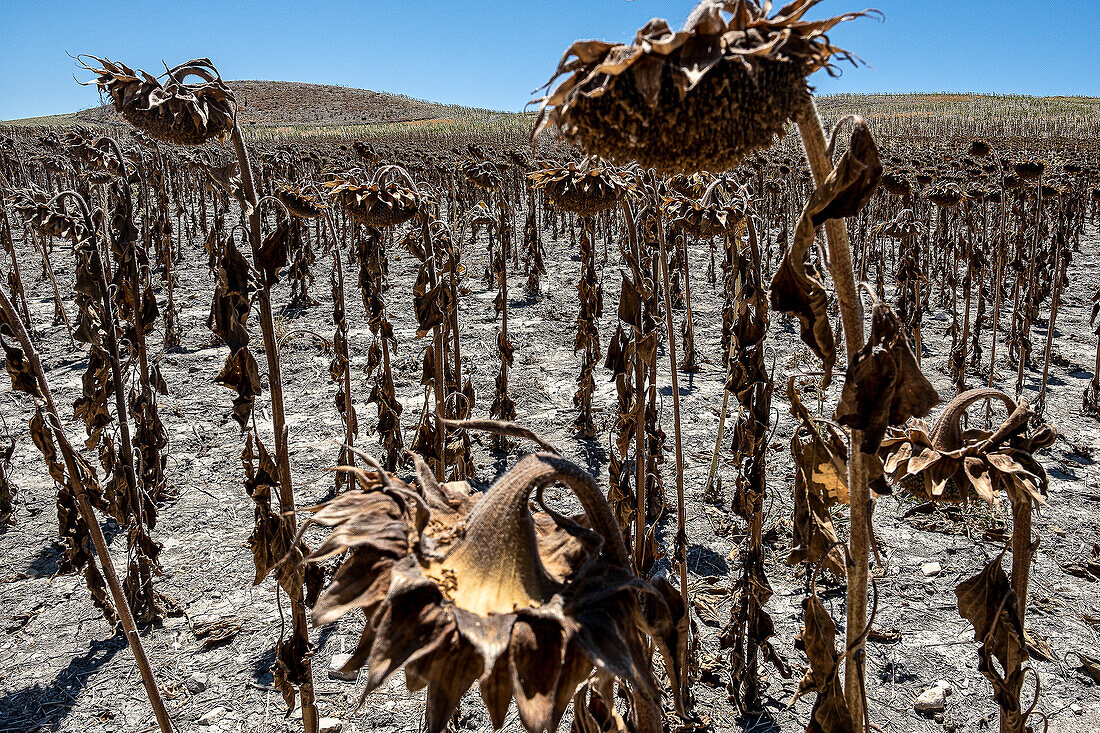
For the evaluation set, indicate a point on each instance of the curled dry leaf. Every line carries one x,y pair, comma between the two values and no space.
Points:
820,482
796,286
461,588
884,384
988,602
274,252
241,373
23,378
830,712
231,304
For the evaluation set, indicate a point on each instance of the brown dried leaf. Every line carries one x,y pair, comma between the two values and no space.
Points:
884,385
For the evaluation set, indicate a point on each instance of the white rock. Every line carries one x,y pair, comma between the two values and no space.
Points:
336,664
330,725
213,717
931,569
196,684
1076,709
931,700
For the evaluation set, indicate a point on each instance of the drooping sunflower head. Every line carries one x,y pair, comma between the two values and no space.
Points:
460,587
1029,170
298,201
47,214
946,195
585,189
701,98
716,210
481,173
979,148
902,226
896,183
171,111
946,463
365,150
387,199
96,154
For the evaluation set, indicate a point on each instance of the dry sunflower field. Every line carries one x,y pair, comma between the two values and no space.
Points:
689,402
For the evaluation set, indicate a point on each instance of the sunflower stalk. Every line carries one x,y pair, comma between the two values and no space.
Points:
310,717
130,506
439,387
341,364
851,314
680,551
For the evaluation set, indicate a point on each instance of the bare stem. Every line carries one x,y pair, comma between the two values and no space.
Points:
851,315
681,531
310,718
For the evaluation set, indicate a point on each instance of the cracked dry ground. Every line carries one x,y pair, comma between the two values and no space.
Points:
63,669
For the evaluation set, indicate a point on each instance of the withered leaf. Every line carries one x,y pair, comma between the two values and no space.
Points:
241,374
230,306
830,713
855,178
274,253
988,602
884,385
1090,665
797,289
18,366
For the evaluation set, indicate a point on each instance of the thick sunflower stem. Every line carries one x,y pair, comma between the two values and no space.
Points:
1021,552
680,554
310,717
851,315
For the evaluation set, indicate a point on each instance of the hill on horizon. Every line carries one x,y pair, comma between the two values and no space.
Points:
299,103
282,107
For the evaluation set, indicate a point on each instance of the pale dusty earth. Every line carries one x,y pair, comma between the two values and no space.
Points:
63,669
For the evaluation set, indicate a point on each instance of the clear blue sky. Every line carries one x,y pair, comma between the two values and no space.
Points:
494,53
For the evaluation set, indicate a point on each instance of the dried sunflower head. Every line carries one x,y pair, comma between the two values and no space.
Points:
99,155
945,463
585,189
704,220
979,148
693,185
364,150
298,201
172,111
460,587
946,195
895,183
708,215
386,199
48,215
903,226
1029,170
481,173
701,98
